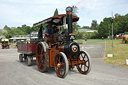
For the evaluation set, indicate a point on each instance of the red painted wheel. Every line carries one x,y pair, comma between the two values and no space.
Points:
84,65
41,58
61,65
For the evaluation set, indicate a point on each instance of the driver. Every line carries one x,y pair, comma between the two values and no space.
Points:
48,30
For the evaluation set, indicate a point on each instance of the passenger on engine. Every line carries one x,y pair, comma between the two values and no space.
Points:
55,30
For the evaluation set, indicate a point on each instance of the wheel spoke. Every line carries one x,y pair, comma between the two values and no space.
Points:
84,68
59,59
62,60
85,62
42,61
81,66
87,66
61,69
39,50
40,65
62,64
82,56
42,53
40,47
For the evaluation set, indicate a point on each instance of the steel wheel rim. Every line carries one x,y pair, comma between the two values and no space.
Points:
83,66
60,66
40,58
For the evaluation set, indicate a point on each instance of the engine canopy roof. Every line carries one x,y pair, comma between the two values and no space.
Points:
57,20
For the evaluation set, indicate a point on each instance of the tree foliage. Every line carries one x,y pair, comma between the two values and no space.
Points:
120,25
56,12
89,35
94,25
75,24
104,27
85,27
11,31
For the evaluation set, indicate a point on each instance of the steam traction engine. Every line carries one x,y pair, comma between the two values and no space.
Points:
59,51
4,43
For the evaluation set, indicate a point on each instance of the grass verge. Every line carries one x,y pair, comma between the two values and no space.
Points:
120,53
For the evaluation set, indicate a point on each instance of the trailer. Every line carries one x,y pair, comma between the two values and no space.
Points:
27,50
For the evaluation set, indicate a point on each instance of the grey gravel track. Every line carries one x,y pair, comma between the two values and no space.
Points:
95,50
12,72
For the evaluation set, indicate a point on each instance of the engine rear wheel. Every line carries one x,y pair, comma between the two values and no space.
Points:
84,65
41,58
61,65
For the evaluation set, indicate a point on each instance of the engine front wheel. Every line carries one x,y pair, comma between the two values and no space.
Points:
84,65
61,65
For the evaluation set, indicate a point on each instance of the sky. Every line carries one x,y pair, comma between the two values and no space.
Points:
14,13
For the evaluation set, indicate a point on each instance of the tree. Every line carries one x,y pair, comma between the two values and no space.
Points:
75,25
85,27
1,32
9,33
56,12
122,25
104,27
94,25
8,29
26,29
117,17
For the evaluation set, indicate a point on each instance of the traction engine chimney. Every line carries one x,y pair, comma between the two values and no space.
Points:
69,19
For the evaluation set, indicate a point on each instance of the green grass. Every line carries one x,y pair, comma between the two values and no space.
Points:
120,50
90,41
120,53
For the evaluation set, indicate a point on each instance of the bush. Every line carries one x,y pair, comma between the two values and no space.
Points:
89,35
